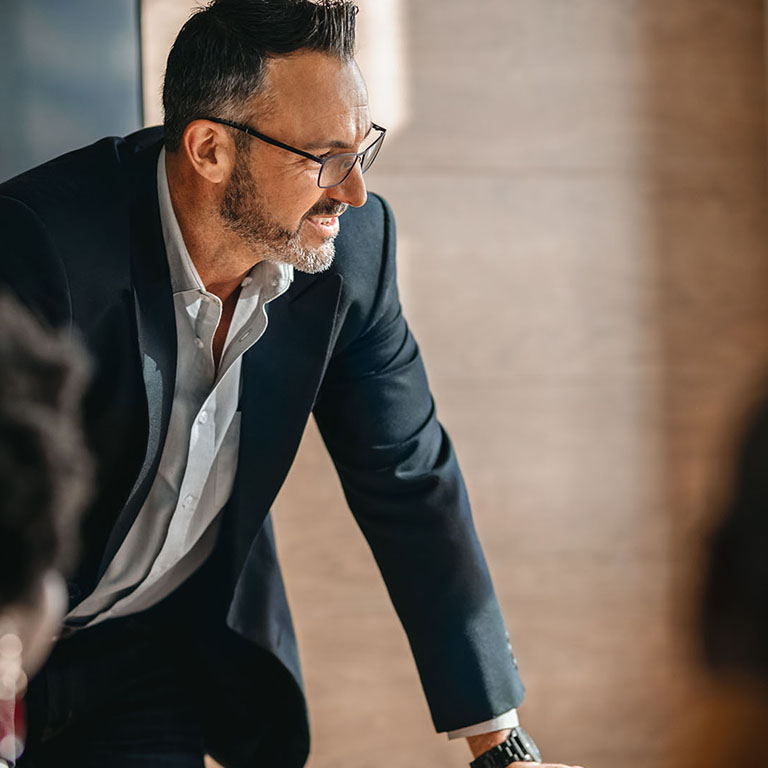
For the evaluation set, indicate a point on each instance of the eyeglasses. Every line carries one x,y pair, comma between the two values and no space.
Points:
334,169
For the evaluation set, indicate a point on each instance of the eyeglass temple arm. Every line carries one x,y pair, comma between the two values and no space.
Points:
263,137
276,143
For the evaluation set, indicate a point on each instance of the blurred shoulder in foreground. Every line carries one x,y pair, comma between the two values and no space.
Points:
44,476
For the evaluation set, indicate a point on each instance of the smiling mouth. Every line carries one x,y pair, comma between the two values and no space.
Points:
325,226
325,221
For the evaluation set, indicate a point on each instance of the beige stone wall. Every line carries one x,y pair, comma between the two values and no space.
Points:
580,192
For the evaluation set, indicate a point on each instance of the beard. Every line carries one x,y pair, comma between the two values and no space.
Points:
243,212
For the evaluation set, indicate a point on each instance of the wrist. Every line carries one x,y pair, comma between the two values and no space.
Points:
485,741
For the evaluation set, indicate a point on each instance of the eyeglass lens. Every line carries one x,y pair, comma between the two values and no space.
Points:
337,168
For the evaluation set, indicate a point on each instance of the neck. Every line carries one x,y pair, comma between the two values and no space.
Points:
220,257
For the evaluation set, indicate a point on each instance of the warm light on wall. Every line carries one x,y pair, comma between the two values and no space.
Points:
160,23
382,57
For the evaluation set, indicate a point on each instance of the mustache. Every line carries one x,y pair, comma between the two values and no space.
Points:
326,208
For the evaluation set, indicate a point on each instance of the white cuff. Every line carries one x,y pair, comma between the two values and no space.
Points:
507,720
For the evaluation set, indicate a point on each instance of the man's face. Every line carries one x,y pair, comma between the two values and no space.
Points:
320,105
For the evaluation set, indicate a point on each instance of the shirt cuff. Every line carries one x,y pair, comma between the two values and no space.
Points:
507,720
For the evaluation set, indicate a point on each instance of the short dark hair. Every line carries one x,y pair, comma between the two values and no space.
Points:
217,61
44,466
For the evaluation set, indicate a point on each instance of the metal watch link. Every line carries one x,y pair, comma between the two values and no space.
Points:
518,747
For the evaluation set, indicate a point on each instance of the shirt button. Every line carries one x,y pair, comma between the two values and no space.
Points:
246,282
188,500
203,417
244,335
275,282
199,343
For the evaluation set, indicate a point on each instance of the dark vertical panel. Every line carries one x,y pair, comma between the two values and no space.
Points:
69,74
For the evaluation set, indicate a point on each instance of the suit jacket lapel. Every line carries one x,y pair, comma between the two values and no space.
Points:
281,379
156,332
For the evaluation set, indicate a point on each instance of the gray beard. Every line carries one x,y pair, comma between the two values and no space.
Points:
243,213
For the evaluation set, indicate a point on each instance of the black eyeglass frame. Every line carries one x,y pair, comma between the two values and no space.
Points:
322,160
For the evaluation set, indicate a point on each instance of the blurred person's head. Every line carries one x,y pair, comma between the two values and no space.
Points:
727,717
283,69
44,473
735,611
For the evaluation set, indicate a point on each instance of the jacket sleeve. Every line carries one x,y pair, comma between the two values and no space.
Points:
403,484
30,266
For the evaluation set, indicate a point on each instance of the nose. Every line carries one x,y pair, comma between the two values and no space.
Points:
352,190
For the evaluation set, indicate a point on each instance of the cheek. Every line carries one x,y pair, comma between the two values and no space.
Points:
299,191
298,204
290,193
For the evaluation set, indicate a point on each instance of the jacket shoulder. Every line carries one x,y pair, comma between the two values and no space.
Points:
84,177
62,219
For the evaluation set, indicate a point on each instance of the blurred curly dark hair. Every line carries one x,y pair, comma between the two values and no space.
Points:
45,470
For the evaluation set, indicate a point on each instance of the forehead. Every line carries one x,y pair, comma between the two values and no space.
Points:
308,92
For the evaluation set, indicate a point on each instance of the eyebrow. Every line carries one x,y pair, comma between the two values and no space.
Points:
334,143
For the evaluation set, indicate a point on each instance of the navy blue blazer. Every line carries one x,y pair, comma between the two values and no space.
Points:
82,245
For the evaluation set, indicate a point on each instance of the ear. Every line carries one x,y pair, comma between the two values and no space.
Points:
210,149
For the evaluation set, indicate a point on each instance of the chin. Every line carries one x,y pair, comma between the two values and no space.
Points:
310,239
312,260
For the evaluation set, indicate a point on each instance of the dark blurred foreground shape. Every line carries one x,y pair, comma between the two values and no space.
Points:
70,75
736,592
45,474
728,723
44,465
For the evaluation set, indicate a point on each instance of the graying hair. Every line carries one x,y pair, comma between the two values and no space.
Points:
217,63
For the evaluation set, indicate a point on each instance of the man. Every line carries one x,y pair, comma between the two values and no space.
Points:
44,474
203,270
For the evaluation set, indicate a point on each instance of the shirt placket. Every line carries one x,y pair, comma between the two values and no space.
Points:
202,443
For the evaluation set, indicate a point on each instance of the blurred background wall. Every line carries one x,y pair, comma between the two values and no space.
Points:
580,190
70,73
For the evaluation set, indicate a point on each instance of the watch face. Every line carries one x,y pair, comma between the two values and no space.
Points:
528,744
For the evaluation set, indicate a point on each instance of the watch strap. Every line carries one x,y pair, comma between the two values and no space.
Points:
517,747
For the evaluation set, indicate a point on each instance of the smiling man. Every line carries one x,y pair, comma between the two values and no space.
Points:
230,276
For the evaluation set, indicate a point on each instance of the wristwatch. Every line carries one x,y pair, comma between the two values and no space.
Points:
519,747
